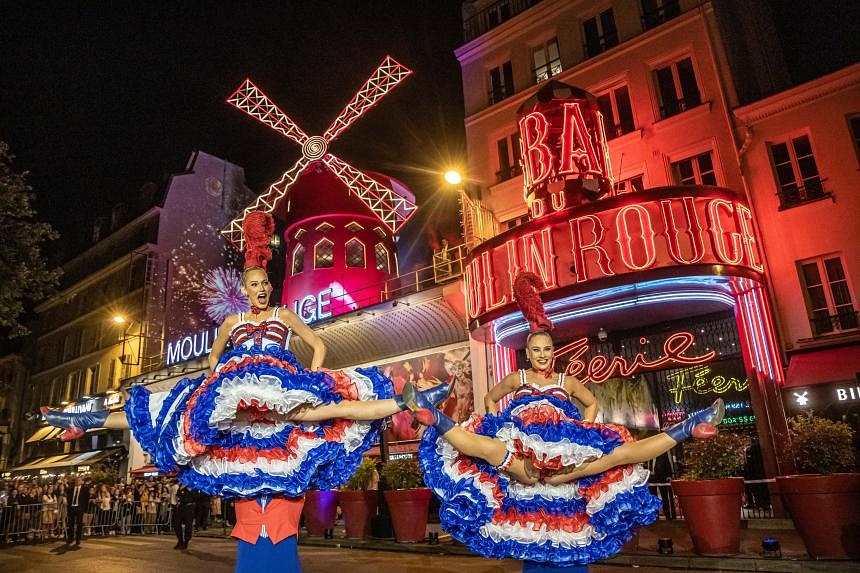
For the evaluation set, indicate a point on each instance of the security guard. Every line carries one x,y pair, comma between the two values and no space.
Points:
183,523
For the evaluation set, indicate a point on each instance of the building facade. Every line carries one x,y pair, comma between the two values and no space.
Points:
119,301
680,87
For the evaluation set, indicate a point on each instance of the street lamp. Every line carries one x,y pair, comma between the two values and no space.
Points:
453,177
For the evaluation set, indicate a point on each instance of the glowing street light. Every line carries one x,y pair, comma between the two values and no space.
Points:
119,319
453,177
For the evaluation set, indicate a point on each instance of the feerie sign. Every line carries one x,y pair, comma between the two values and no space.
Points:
666,227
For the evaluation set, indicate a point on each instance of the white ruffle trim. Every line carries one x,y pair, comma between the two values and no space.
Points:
570,453
205,465
267,391
451,469
517,490
539,533
637,477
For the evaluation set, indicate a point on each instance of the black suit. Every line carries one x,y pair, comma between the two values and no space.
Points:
76,509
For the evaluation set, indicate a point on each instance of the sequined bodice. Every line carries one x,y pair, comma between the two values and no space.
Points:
527,389
268,332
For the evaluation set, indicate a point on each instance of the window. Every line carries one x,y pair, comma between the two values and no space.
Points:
113,374
380,232
698,170
501,83
617,112
677,87
298,259
355,253
381,258
516,222
854,127
656,12
353,227
828,297
600,33
324,227
546,61
324,254
91,380
633,184
298,234
72,390
509,151
796,173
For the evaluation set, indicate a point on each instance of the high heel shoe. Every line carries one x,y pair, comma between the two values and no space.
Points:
434,396
700,424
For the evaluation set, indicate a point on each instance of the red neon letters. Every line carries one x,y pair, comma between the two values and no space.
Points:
650,234
600,368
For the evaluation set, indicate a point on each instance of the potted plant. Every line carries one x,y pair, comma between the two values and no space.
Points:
320,511
710,495
825,503
407,499
358,502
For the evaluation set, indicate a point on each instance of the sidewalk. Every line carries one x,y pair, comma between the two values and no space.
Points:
794,557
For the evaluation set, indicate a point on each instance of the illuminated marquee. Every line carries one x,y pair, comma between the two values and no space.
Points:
667,227
188,347
563,148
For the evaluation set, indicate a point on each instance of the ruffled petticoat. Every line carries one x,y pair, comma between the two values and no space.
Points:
227,434
576,523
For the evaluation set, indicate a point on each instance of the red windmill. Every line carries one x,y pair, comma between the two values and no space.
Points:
391,208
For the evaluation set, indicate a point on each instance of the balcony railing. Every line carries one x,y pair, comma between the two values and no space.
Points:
508,172
493,15
793,195
546,71
675,106
845,320
653,18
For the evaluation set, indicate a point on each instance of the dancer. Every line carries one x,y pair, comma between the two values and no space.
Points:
541,481
260,427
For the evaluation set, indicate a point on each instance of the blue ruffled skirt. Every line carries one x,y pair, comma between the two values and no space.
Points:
228,435
576,523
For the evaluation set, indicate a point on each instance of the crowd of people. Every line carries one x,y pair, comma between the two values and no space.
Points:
38,509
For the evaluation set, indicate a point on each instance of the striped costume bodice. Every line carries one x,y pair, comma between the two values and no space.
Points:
556,389
268,332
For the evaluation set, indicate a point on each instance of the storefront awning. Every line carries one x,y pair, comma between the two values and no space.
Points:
64,460
149,470
42,434
840,364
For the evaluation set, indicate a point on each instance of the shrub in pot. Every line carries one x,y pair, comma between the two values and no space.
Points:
824,503
709,493
408,499
358,502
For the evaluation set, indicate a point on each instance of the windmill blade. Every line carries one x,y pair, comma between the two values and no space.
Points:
250,99
267,202
392,209
383,80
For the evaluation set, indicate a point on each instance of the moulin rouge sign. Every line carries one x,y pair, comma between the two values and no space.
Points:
573,239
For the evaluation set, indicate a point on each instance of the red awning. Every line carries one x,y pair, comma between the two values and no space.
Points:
824,366
142,471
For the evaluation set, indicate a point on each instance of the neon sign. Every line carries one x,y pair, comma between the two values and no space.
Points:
563,149
848,394
600,368
666,228
189,347
324,304
701,384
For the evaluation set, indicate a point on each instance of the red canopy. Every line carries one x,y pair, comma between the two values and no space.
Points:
840,364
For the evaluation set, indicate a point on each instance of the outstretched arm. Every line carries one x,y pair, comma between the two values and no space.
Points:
584,395
304,332
508,384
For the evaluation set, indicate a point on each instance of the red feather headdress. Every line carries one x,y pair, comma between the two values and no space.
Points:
527,285
258,228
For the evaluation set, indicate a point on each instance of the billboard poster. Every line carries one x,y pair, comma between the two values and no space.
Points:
427,370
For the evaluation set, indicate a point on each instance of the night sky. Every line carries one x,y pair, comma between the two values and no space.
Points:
98,100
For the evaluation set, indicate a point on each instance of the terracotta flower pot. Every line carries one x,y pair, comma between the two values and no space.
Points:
409,513
826,512
320,511
712,510
358,508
